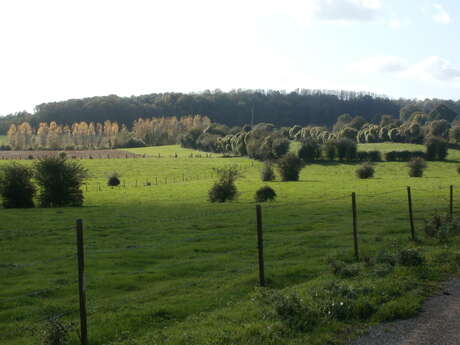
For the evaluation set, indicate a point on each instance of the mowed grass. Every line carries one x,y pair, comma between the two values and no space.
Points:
161,259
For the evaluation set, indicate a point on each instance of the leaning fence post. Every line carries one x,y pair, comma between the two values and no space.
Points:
411,215
355,225
260,245
81,283
451,202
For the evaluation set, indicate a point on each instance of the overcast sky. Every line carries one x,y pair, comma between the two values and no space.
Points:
54,50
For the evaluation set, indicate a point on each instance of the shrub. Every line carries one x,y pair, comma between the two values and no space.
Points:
458,169
344,270
289,167
411,257
289,309
362,156
442,227
436,148
267,173
416,167
264,194
224,189
391,156
346,149
365,171
330,150
309,151
375,156
55,333
60,182
114,180
16,187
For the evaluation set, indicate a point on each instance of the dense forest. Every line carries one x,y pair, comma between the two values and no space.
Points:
235,108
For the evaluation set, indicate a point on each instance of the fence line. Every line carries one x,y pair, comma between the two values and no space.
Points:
355,228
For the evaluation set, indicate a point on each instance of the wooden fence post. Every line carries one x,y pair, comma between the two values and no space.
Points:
81,283
355,225
451,202
260,245
411,215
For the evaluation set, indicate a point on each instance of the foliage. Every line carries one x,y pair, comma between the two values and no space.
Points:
224,189
436,148
416,167
309,151
55,332
403,156
442,227
264,194
287,308
346,149
289,167
114,180
59,182
16,187
267,173
411,257
365,171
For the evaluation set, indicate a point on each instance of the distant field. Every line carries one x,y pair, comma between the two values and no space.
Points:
165,266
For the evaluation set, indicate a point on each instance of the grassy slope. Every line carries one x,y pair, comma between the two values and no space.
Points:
162,257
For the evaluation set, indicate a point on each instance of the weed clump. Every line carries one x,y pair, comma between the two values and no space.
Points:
224,189
411,257
55,333
442,227
416,167
365,171
267,173
290,309
264,194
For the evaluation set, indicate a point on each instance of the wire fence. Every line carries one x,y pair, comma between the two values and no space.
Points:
338,215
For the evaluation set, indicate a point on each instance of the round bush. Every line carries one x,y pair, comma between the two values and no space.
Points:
365,171
222,192
114,180
289,167
264,194
416,167
267,173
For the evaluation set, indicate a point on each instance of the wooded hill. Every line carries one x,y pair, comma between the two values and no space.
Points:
234,108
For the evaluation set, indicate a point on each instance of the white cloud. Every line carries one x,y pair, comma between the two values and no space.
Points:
440,14
347,10
381,64
433,68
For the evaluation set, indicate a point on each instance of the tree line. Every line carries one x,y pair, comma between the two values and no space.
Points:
106,135
234,108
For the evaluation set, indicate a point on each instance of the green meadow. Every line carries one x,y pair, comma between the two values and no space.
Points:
165,266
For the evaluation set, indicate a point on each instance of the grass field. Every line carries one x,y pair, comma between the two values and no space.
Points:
165,266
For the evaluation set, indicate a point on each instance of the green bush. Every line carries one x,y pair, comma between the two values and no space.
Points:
346,149
114,180
411,257
416,167
289,167
224,189
287,308
442,227
264,194
330,150
309,151
16,187
436,148
59,181
365,171
267,173
55,332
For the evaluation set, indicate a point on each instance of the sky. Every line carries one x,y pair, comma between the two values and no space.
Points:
53,50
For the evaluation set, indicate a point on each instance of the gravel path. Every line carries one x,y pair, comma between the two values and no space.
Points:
437,324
